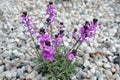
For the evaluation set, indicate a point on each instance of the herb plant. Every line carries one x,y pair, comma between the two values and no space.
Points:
54,59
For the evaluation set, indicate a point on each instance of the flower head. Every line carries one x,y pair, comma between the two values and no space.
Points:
87,29
74,33
50,12
48,54
70,56
27,21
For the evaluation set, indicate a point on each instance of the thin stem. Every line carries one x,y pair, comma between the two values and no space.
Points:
35,45
75,44
79,45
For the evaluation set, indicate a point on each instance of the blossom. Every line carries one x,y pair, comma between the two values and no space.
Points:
50,12
74,34
27,21
48,54
57,40
70,56
60,26
87,29
43,37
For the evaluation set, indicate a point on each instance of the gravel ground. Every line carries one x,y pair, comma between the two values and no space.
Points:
99,57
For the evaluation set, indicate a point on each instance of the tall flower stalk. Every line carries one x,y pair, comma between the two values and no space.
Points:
27,21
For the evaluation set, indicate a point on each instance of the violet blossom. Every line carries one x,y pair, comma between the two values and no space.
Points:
48,54
50,12
74,34
42,37
27,21
87,29
60,26
71,55
57,40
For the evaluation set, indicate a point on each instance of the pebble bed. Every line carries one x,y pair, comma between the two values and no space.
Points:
99,57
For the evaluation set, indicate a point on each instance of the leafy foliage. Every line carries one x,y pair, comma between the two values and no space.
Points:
60,69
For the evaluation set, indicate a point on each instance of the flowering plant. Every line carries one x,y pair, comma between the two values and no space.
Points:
54,59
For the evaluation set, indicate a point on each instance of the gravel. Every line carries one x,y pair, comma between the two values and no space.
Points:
17,48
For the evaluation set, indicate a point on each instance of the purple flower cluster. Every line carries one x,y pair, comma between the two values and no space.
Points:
71,55
50,12
46,46
27,21
47,42
48,53
57,39
87,29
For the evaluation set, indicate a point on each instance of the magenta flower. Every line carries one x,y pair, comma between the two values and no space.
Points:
74,34
87,29
50,12
70,56
48,54
27,21
43,37
60,26
57,40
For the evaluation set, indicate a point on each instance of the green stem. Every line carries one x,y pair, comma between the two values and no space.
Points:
75,44
79,45
36,50
63,45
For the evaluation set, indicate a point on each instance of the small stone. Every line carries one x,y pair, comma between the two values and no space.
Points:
66,43
98,74
93,70
20,71
1,69
74,78
31,76
117,59
99,63
44,78
107,65
94,78
113,70
1,62
8,75
6,54
29,68
108,72
12,57
118,78
2,75
38,77
110,58
86,63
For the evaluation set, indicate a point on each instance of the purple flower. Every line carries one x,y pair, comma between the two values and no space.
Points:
87,29
70,56
61,25
27,21
48,54
50,12
44,38
74,34
57,40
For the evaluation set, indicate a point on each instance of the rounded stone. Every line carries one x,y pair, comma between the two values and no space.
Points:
113,70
